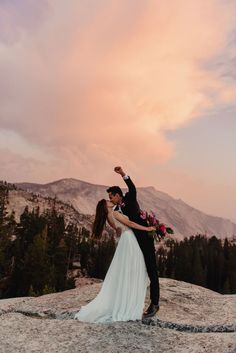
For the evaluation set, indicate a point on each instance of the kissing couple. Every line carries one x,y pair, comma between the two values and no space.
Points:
123,292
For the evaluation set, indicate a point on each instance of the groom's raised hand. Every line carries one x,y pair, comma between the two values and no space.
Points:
119,170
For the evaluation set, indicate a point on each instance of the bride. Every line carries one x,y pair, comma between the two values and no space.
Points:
123,291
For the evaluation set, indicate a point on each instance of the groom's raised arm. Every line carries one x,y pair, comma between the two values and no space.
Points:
129,183
131,187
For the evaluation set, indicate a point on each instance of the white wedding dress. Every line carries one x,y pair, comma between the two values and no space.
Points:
123,291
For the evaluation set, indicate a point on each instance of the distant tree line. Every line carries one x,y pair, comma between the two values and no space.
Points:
207,262
38,253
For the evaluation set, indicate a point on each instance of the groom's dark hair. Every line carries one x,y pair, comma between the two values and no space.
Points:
115,190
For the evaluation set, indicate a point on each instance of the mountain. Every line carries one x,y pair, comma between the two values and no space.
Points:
184,219
18,199
191,319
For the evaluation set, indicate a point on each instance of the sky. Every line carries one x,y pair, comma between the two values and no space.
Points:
148,85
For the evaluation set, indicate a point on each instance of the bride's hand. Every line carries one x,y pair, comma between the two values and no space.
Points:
151,228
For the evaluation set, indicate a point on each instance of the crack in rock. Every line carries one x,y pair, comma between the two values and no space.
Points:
149,322
190,328
37,315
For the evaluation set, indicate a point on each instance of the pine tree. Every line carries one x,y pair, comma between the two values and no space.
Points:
37,263
161,262
170,263
232,268
197,269
71,241
60,266
7,229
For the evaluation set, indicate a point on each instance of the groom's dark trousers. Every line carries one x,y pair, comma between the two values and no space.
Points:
130,207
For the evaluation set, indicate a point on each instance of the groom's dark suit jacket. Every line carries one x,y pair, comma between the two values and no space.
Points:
131,207
132,210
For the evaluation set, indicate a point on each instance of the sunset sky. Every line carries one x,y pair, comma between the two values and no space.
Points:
149,85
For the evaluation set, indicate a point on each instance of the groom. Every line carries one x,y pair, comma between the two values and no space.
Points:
129,206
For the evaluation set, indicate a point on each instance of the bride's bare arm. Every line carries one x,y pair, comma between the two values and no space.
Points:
126,221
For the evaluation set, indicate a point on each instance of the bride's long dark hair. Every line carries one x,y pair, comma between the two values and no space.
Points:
100,219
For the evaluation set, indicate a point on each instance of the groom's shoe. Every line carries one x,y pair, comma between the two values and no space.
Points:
151,311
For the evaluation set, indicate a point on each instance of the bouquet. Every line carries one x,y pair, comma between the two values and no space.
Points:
161,228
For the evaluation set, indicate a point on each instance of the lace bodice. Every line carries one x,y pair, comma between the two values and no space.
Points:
119,224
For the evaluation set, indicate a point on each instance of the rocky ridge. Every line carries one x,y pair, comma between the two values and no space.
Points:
19,199
191,319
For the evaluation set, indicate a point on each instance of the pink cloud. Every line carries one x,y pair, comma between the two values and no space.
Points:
98,83
19,16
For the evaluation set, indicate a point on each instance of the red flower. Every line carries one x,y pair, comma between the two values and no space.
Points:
162,228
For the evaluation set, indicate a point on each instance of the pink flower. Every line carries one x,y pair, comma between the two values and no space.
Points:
143,214
155,222
161,229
